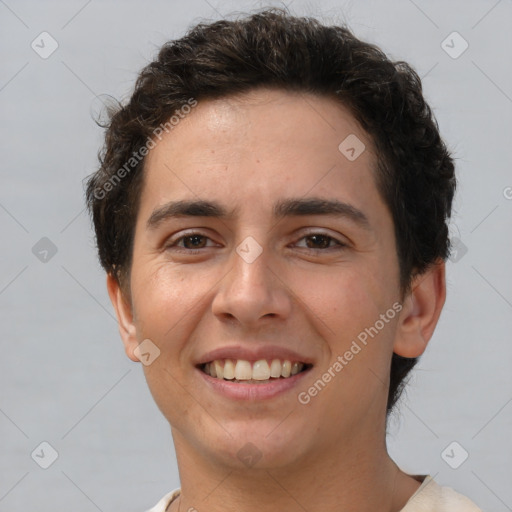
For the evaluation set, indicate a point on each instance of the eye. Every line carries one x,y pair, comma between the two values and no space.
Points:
193,243
321,241
190,242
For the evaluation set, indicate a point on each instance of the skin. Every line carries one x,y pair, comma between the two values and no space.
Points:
246,153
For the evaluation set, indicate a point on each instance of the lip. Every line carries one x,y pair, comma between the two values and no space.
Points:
252,392
253,354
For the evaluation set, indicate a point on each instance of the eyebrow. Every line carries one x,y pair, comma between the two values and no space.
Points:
283,208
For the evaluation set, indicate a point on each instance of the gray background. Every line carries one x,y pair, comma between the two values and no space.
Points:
64,377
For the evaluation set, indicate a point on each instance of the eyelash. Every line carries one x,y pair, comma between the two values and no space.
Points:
337,244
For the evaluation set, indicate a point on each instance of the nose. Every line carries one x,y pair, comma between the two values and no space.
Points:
252,292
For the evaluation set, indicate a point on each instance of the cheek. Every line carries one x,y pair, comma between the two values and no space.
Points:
157,304
165,296
168,302
347,300
349,304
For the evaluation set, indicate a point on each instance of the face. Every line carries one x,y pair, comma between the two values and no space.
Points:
260,244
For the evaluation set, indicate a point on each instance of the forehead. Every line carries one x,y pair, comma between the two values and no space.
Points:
283,119
255,147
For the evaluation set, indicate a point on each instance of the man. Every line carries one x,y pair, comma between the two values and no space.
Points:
271,211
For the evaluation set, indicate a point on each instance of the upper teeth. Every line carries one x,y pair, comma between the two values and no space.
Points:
245,370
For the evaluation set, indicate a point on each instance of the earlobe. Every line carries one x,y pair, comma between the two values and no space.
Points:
124,315
421,311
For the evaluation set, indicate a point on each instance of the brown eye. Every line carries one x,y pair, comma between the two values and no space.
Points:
320,242
194,241
191,243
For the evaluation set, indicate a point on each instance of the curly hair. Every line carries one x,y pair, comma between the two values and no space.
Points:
414,171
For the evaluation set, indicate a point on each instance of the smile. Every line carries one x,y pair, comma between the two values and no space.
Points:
257,372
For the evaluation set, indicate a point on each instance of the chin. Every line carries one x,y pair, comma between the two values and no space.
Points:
260,446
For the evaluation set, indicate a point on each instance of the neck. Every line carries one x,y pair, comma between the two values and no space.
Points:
356,476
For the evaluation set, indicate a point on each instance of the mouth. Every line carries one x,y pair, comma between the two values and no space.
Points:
262,371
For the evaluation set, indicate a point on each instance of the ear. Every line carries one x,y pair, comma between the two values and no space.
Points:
421,310
124,317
